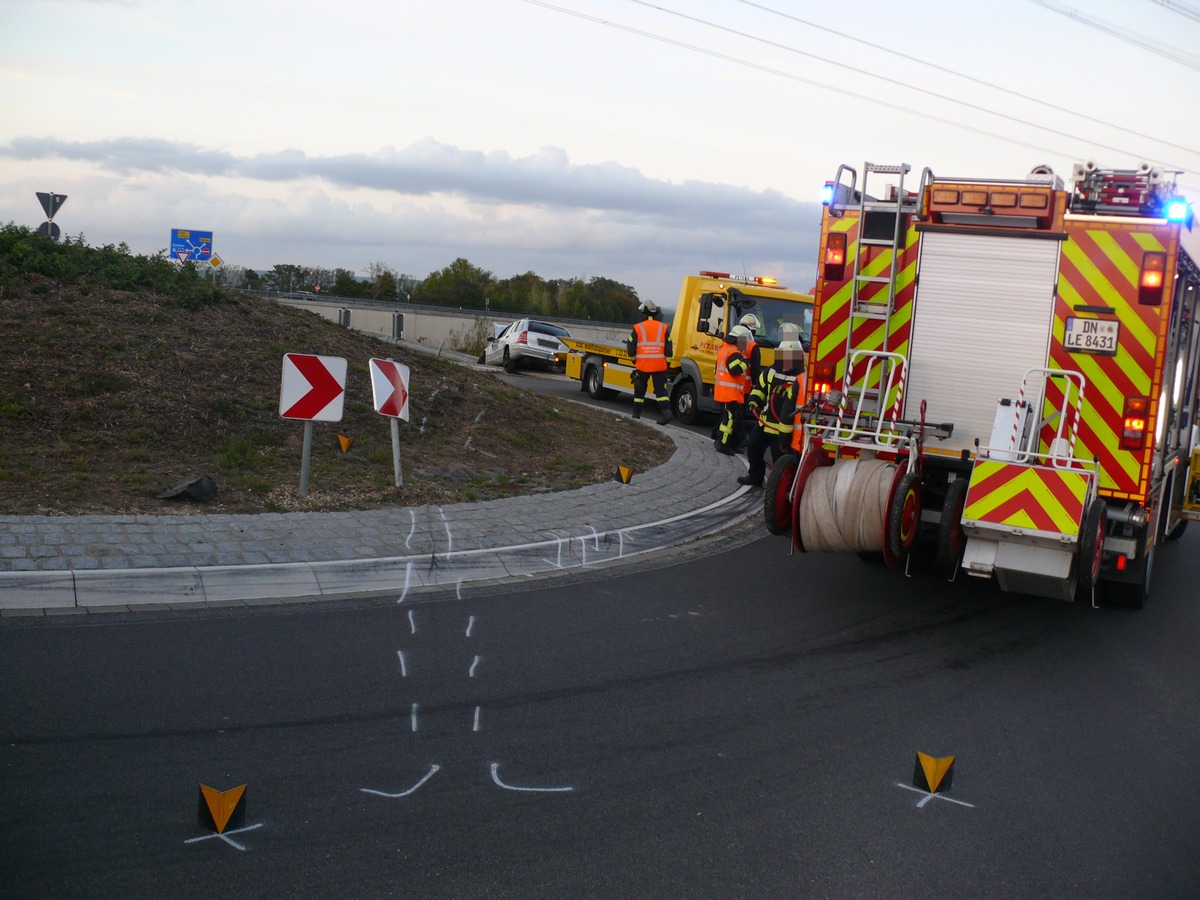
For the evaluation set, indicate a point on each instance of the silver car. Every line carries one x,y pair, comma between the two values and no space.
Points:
527,343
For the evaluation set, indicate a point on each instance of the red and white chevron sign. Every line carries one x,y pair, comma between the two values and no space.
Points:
314,387
389,388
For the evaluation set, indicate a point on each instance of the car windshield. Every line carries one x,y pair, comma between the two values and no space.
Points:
547,328
774,312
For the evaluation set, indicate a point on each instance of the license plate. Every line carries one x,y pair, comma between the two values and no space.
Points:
1091,336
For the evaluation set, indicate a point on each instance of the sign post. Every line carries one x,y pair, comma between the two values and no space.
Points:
389,391
313,390
51,203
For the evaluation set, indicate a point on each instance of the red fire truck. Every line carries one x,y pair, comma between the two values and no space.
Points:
1002,378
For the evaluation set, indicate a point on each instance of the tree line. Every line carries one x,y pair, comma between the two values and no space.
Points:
459,285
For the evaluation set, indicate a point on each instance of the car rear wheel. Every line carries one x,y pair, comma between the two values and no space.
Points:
510,364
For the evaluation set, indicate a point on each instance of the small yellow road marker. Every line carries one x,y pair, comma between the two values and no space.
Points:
624,474
220,809
931,774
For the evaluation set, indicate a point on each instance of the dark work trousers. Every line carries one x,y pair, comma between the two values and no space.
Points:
758,445
659,380
731,432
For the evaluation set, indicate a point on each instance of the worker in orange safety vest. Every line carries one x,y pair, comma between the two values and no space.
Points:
650,346
731,386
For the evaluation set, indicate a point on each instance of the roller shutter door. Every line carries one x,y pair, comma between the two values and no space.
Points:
981,319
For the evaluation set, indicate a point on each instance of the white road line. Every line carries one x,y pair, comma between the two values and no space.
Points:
403,667
470,625
509,787
929,796
413,717
432,771
407,579
474,663
476,725
225,837
412,623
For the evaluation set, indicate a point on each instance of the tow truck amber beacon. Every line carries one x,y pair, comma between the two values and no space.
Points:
1003,376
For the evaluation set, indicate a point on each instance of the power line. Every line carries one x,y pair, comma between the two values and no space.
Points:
791,77
893,81
971,78
1177,56
1182,8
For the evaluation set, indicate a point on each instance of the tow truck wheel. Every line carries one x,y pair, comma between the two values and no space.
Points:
904,515
1091,545
683,401
593,383
951,539
777,509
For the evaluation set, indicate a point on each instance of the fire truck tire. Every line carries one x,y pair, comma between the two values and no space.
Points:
1132,594
904,515
1091,545
777,504
1175,529
951,539
593,383
684,402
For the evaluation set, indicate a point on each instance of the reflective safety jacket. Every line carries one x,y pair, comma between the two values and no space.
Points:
732,381
648,345
778,416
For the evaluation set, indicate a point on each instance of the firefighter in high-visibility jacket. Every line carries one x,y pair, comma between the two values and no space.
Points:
773,403
650,346
731,386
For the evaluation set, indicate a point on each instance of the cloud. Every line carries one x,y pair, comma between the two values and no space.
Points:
426,168
418,209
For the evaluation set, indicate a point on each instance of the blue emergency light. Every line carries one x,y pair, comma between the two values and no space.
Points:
827,194
1178,210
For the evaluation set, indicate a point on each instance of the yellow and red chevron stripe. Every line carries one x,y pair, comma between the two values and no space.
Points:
1099,268
831,325
1014,495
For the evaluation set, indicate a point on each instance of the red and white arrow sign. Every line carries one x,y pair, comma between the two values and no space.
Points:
389,388
314,387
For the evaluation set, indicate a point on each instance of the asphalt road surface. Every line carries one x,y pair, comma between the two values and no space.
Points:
725,720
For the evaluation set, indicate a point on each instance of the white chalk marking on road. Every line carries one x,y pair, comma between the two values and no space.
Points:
595,538
929,796
458,589
475,727
225,836
510,787
432,771
412,623
407,580
470,625
403,667
474,663
412,515
449,537
413,716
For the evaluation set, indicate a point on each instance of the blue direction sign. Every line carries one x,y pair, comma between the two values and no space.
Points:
187,244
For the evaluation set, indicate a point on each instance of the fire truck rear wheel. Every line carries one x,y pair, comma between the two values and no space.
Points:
904,515
1091,545
683,402
951,539
1133,594
1175,529
777,506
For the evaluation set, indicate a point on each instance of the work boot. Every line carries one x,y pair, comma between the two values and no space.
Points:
749,480
665,417
637,412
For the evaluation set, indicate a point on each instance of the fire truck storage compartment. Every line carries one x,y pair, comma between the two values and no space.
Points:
981,320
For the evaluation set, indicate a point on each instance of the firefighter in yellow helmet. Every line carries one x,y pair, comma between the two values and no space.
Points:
650,345
731,385
777,393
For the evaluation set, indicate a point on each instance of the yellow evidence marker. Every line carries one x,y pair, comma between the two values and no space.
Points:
220,809
931,774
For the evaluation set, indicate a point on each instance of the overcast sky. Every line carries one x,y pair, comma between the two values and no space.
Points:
635,141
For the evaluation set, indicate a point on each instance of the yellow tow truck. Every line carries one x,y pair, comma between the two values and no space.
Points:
709,305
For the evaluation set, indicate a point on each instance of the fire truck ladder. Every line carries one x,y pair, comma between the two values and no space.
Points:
879,304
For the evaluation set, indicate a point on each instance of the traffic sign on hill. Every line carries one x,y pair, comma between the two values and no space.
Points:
389,388
188,244
314,387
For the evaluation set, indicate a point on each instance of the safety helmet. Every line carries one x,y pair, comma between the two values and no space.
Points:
738,331
750,320
650,308
789,331
789,357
